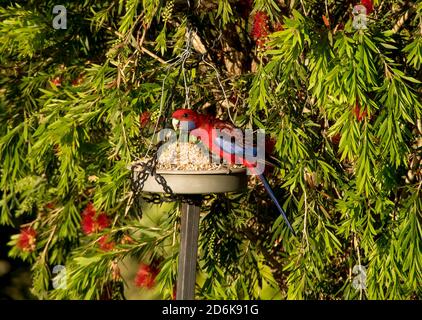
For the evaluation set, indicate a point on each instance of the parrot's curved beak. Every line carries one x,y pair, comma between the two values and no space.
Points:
175,123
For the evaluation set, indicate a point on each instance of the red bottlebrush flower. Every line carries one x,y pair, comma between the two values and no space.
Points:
77,81
260,27
50,205
127,239
102,222
368,5
145,278
144,118
27,239
87,224
173,295
336,138
326,21
89,210
57,81
278,26
90,223
358,112
105,243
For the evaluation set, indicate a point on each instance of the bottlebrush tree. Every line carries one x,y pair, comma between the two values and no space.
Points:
341,100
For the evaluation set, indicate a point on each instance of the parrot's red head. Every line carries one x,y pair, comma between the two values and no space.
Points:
186,119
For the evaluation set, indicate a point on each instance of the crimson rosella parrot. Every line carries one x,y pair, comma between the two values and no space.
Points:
217,136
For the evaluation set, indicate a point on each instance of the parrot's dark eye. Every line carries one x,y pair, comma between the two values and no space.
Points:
185,115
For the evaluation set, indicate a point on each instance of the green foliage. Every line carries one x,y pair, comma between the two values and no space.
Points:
343,104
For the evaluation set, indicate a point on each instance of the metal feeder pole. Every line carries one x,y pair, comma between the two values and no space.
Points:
186,277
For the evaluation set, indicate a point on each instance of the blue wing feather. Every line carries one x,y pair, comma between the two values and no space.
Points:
236,147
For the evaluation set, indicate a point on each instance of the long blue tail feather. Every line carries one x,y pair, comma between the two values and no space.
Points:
272,196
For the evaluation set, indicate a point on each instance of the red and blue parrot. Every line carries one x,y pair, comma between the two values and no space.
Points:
217,136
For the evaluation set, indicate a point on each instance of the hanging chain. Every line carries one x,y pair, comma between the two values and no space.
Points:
141,171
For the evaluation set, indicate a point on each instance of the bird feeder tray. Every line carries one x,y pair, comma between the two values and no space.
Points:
189,183
199,181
